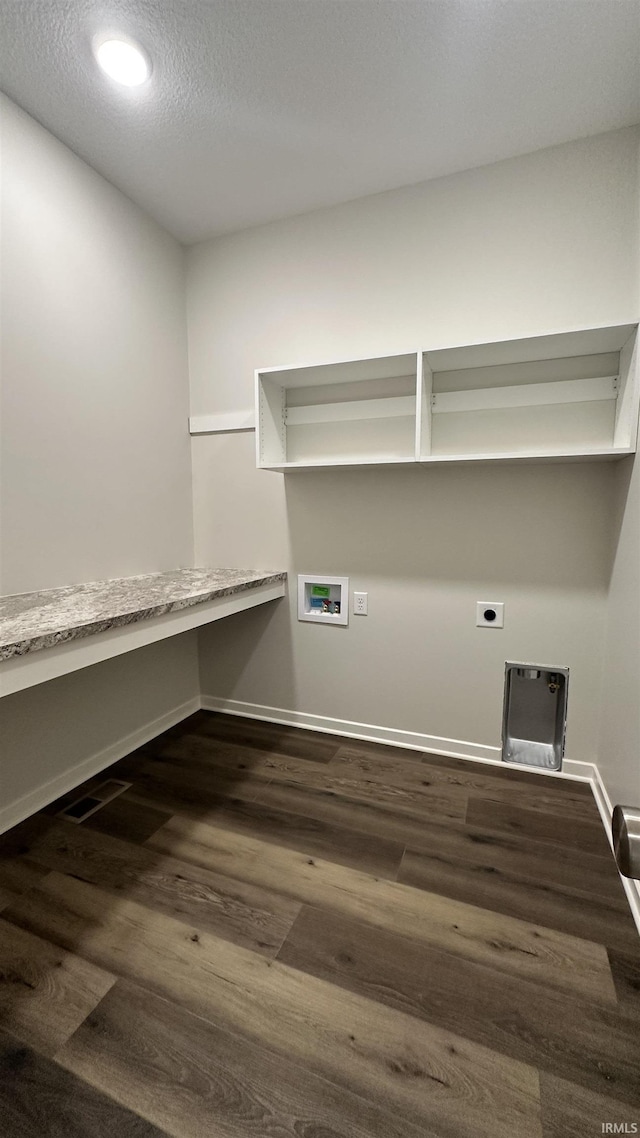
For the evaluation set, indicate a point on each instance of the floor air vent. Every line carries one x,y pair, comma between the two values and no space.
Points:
83,807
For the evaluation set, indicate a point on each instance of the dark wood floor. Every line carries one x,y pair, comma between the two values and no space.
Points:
282,934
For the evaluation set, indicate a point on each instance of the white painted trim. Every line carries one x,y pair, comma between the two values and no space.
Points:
600,454
35,800
388,407
412,740
323,464
324,363
574,769
609,454
604,804
222,423
626,424
555,343
20,672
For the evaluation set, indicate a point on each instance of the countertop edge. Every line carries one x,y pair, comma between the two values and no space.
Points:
93,627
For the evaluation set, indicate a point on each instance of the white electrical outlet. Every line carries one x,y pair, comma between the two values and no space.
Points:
360,604
490,614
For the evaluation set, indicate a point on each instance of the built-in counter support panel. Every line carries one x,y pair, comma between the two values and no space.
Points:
56,735
92,671
49,634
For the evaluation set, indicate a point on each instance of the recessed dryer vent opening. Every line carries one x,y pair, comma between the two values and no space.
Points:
535,715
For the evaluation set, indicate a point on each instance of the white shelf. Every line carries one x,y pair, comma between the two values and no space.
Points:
526,395
389,407
563,397
343,464
350,412
529,457
222,424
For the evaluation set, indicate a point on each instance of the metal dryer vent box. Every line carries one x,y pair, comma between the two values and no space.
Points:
534,718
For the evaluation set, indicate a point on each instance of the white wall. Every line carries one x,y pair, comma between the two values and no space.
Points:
95,475
619,743
95,462
535,244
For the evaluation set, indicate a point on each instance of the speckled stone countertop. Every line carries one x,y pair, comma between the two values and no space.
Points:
31,621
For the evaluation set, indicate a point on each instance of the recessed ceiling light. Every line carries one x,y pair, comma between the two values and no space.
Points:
123,61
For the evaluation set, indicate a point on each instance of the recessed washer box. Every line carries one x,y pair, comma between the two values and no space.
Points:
322,599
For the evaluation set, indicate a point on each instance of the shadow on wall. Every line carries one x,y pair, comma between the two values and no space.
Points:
622,478
228,648
542,525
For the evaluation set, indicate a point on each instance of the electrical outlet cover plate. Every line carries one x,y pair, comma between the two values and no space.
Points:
490,614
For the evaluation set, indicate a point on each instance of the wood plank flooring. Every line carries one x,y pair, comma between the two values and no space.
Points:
277,933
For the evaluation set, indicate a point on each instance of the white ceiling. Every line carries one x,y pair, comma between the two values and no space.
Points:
258,109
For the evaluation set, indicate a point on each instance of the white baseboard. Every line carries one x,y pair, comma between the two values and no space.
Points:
412,740
36,799
455,748
604,804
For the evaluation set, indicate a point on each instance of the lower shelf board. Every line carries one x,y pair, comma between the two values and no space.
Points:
612,454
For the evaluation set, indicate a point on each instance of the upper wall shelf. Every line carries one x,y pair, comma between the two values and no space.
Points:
572,395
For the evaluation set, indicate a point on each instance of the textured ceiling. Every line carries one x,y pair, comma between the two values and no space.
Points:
262,108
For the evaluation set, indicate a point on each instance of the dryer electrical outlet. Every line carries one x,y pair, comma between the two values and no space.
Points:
490,614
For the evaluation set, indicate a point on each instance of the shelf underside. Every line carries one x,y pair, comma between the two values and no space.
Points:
606,455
